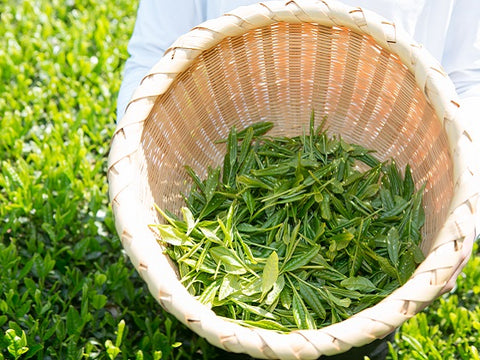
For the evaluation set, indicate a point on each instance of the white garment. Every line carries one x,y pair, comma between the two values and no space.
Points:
449,29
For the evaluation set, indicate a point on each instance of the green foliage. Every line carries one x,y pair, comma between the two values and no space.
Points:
17,344
65,285
449,328
267,232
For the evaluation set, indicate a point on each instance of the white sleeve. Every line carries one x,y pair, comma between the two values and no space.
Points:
462,62
462,48
158,24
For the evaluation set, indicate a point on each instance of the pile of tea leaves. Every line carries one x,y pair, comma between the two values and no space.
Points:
295,233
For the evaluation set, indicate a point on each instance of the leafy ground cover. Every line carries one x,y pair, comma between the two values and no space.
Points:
67,291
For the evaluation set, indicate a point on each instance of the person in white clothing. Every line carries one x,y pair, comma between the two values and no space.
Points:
448,29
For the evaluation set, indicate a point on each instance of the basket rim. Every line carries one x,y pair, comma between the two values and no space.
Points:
140,244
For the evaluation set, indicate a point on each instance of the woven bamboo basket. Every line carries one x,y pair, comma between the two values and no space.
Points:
277,61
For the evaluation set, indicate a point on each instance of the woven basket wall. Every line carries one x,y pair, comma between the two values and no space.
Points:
277,61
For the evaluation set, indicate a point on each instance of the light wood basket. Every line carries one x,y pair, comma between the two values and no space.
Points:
277,61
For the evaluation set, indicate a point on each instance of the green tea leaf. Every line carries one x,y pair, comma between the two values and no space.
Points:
249,201
300,313
265,324
246,249
325,207
270,272
212,205
418,213
359,283
312,299
370,191
337,301
356,260
195,178
230,160
172,236
189,220
418,255
211,184
208,295
227,257
246,145
230,284
211,236
277,289
341,240
406,267
252,286
259,128
398,207
257,310
286,299
300,260
253,182
273,170
74,321
408,183
384,264
386,198
394,179
227,232
17,343
393,245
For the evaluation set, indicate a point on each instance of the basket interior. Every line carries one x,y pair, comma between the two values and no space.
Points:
281,73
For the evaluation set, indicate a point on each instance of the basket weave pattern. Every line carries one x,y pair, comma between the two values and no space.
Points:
277,61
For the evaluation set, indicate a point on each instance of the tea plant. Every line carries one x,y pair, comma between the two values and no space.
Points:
450,327
65,283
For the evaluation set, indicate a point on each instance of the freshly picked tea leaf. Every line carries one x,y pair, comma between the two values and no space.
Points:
289,233
359,283
270,272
